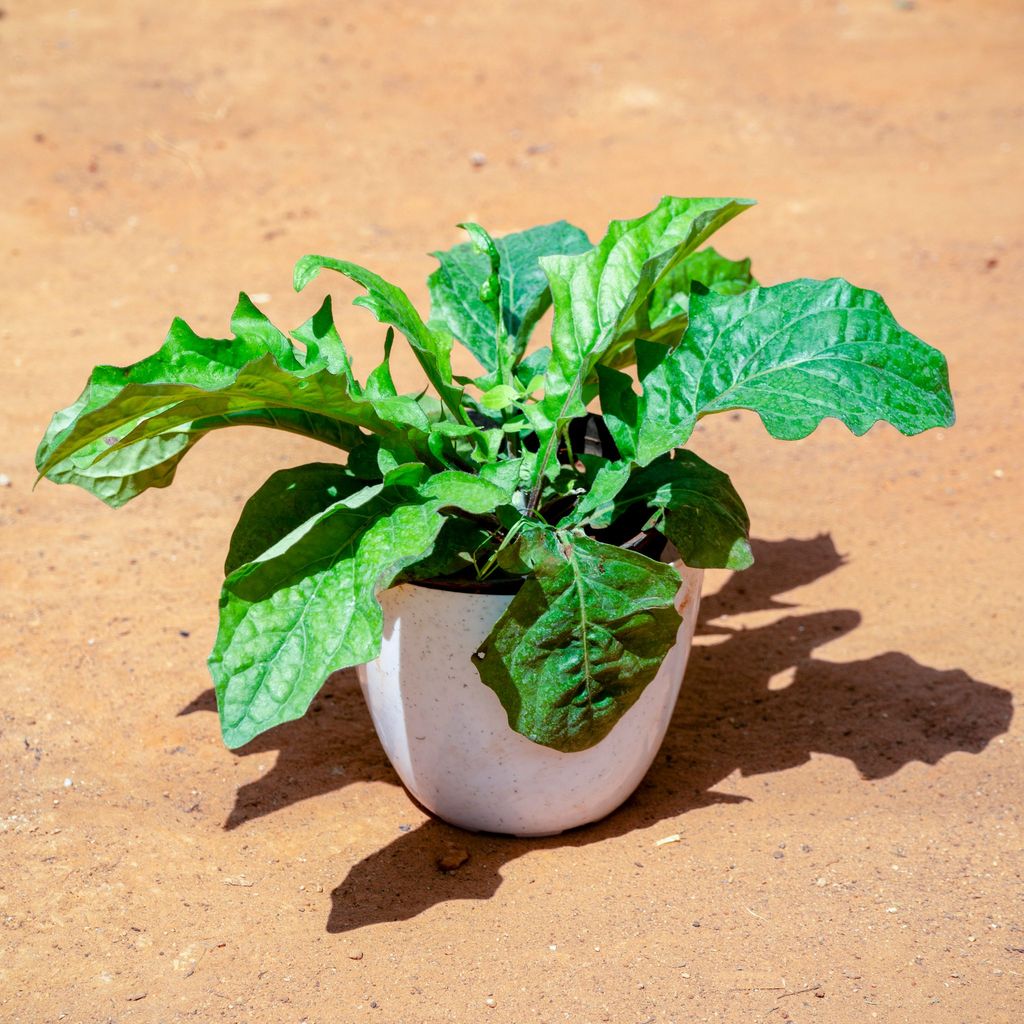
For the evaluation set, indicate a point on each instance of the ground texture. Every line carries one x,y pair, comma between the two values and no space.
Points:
844,768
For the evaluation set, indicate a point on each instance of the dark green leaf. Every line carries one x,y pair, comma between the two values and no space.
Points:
456,288
581,639
288,499
795,354
693,504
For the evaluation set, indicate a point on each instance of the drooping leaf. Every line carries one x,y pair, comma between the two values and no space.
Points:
580,640
391,305
689,501
795,354
288,499
307,605
132,425
456,288
598,294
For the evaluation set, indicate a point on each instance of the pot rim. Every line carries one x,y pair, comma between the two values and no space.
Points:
511,587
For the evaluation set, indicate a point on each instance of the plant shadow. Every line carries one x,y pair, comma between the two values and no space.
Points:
754,700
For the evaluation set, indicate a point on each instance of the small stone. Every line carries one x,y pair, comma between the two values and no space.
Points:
478,159
405,828
821,882
778,855
67,783
453,858
136,997
355,954
5,480
490,1001
819,993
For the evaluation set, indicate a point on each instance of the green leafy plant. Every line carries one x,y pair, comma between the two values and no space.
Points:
505,479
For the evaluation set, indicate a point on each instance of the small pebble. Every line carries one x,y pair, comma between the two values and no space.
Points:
5,480
405,828
778,855
490,1001
453,858
477,159
356,954
67,783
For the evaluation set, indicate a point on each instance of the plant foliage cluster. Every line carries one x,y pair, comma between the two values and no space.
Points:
503,478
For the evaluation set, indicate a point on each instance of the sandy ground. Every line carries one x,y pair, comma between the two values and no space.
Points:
845,764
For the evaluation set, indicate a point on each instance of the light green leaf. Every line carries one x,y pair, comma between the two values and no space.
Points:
391,305
580,640
307,605
456,288
665,314
499,397
132,425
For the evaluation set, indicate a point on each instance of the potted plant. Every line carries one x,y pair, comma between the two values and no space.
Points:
515,572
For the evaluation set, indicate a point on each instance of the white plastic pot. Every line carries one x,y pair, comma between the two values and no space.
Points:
448,737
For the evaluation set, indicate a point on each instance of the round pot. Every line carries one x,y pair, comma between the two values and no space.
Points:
448,737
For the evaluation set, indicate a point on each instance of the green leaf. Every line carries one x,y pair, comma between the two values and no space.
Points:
665,315
689,501
795,354
580,640
597,296
132,425
391,305
457,288
307,605
499,397
288,499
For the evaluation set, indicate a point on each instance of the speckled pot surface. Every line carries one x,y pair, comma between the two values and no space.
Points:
448,738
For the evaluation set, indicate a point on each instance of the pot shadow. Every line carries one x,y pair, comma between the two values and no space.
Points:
755,700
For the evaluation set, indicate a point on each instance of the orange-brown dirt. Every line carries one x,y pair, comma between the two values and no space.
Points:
844,768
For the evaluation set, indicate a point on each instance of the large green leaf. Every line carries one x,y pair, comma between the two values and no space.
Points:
459,288
391,305
307,605
693,504
132,425
597,296
795,354
581,639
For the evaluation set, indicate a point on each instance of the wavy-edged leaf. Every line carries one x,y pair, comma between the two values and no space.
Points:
580,640
458,288
391,305
132,425
307,605
795,354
